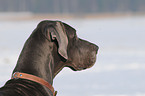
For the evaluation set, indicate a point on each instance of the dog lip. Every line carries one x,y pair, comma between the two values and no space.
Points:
82,68
77,68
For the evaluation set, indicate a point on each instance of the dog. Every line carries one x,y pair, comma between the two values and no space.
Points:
52,46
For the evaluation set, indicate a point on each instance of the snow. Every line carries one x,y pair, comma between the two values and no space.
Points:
120,66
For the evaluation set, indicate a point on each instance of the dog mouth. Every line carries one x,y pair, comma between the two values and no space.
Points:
74,68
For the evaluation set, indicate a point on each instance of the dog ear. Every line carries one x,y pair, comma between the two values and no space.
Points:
58,33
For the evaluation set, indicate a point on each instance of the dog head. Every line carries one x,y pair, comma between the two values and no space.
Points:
72,51
81,53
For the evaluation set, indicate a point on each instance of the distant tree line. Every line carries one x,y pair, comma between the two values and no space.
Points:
72,6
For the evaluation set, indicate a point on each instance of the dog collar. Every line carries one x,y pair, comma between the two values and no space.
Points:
39,80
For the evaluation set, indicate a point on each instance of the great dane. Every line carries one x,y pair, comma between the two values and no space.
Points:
52,46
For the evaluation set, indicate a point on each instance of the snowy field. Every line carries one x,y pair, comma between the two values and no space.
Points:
120,66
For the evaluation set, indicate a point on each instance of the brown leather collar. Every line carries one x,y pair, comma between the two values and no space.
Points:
41,81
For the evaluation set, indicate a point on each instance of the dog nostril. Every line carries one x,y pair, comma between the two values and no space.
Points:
96,48
84,68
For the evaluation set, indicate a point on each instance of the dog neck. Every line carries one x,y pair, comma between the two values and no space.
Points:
36,59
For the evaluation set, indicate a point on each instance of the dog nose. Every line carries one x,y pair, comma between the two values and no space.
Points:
95,48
